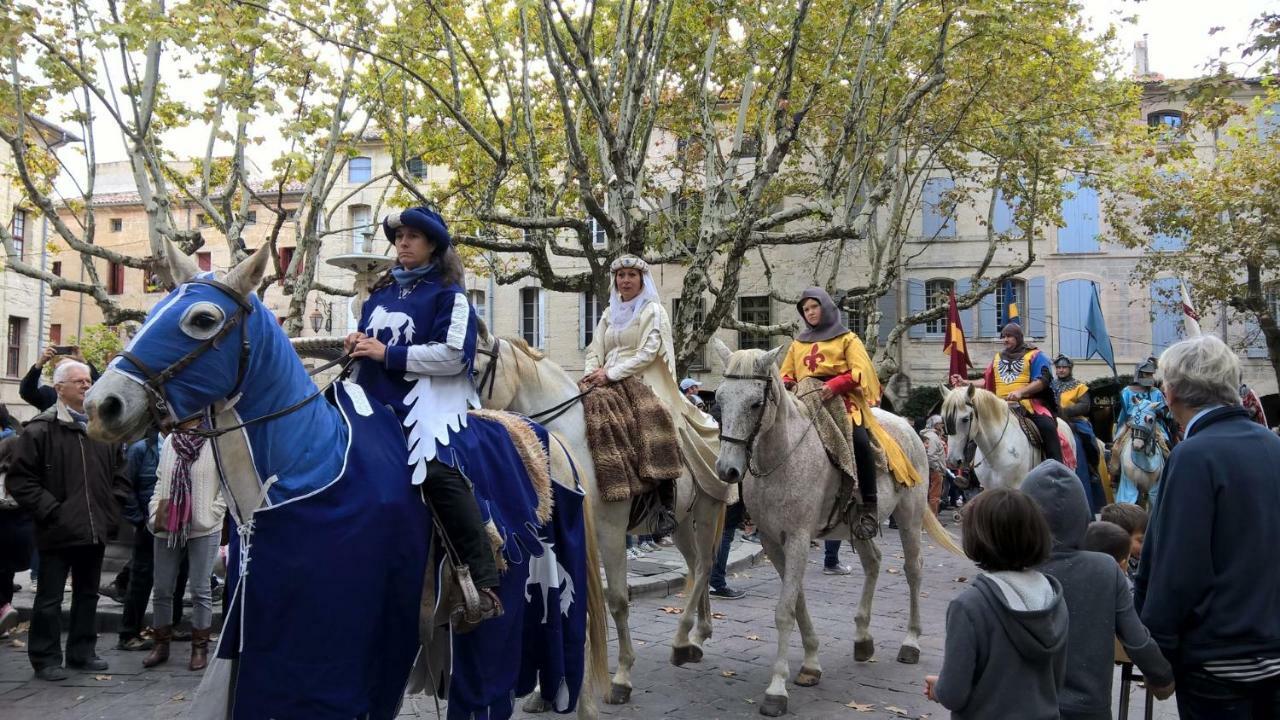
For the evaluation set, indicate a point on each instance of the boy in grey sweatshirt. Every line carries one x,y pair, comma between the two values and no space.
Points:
1098,598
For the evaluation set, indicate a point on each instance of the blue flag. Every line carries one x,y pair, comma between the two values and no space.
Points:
1099,341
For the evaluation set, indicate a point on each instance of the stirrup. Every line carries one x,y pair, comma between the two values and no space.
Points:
471,611
866,523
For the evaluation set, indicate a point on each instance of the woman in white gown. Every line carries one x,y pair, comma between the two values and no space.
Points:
633,338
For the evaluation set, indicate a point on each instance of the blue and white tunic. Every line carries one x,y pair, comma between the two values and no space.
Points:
429,329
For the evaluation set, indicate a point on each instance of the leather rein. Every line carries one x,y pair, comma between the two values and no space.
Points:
748,443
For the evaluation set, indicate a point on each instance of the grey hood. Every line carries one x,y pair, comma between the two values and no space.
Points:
1058,492
1036,634
832,324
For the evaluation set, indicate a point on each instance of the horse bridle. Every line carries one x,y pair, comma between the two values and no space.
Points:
489,377
159,406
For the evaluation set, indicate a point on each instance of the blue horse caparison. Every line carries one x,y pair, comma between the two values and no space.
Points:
327,587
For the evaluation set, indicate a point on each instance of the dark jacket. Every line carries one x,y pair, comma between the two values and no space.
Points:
1001,662
1207,584
43,397
73,486
1098,597
142,458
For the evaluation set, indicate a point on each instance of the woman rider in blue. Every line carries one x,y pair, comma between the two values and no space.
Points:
417,348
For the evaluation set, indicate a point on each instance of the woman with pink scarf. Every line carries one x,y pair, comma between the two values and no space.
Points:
186,516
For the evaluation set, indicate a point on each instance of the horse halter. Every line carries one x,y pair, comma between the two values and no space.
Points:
749,442
154,385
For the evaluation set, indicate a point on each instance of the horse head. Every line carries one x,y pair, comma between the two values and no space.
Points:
959,416
497,369
191,352
1143,427
748,400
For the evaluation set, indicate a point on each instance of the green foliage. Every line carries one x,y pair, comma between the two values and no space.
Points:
99,344
922,400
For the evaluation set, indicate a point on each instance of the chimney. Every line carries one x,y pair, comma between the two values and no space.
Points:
1141,65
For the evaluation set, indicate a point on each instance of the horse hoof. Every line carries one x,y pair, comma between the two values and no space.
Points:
685,654
908,655
618,695
808,678
773,705
864,650
535,704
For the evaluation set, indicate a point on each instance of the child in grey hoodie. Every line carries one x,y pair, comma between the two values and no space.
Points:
1007,634
1098,598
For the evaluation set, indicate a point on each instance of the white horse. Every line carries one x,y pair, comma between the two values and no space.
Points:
515,377
1142,449
1004,454
769,443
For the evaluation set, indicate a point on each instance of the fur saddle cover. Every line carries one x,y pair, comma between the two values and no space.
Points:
633,439
832,423
539,533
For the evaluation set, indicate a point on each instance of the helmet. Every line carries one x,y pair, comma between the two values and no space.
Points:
1145,373
1063,361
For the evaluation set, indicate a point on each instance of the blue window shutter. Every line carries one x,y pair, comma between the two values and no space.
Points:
1003,218
1167,243
987,315
1079,232
915,304
1035,306
887,304
1166,314
968,318
1257,347
1074,297
936,223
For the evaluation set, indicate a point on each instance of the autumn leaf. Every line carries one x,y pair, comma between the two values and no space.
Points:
101,677
672,610
860,707
895,710
727,673
179,696
962,579
753,637
717,616
893,571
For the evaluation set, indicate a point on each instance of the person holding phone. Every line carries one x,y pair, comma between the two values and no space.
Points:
43,397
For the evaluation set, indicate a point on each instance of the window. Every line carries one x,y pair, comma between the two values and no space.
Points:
55,334
699,360
1079,232
1011,292
589,310
1074,298
202,220
56,269
19,231
754,310
1004,220
286,259
115,279
204,260
17,332
937,292
938,208
359,169
531,316
1167,325
117,224
251,217
1164,119
856,320
416,168
599,238
477,300
361,225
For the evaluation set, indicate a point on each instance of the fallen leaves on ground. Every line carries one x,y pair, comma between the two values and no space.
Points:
672,610
860,707
750,701
727,673
893,571
717,616
180,696
101,677
895,710
962,579
753,637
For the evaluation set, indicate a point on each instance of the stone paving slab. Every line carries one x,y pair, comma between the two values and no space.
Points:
728,683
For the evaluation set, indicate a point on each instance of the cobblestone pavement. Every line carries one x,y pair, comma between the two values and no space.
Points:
728,683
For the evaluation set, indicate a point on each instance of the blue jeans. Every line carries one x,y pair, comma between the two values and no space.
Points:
831,553
732,519
1202,696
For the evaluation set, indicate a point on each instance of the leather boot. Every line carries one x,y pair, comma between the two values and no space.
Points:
160,653
199,649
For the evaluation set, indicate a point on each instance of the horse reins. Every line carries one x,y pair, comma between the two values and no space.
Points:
749,442
154,384
489,377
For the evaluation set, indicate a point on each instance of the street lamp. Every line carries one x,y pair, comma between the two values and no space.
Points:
316,319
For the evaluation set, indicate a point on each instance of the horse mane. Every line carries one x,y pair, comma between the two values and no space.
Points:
986,404
524,347
744,362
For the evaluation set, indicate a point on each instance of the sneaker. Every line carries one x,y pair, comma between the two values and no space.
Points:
633,553
648,546
53,673
8,618
728,593
838,570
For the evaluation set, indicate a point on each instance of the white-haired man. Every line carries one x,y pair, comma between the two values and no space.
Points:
74,487
1209,578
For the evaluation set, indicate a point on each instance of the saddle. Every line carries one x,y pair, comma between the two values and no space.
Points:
1029,429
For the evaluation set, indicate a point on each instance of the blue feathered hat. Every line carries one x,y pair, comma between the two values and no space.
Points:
419,218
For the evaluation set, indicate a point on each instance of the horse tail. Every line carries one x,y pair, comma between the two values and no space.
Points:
597,670
940,534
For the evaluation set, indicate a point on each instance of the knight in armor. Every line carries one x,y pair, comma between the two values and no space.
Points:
1023,376
416,349
827,351
1143,390
1074,406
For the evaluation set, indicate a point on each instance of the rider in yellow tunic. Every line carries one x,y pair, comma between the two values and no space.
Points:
829,351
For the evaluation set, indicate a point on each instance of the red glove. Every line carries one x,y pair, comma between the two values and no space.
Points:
788,382
842,384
